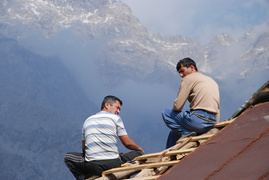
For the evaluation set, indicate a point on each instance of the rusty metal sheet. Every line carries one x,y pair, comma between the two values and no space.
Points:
239,151
251,163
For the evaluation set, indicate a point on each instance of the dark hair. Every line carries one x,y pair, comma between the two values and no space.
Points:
111,100
186,62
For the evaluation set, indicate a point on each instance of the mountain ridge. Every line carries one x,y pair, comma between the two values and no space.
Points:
128,37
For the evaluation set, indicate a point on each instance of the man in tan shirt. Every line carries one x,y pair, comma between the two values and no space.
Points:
202,93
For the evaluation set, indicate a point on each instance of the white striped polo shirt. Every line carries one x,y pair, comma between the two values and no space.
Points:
100,133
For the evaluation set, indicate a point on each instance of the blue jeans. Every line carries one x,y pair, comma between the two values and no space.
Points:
184,122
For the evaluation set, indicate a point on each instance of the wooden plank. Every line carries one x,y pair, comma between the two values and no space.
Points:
197,138
177,152
146,178
138,167
145,173
223,123
118,175
169,153
146,156
176,147
181,144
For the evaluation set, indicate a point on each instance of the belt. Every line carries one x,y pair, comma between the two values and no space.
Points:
204,118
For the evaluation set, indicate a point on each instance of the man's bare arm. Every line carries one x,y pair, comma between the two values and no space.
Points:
130,144
83,147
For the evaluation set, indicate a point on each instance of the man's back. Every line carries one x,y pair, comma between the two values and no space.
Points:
204,92
100,133
99,142
201,91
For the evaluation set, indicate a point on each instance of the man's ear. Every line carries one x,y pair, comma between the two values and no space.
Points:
107,104
192,67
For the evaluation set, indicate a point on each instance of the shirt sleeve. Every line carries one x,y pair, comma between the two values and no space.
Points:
121,131
182,96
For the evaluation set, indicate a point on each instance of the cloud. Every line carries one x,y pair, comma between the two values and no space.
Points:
201,19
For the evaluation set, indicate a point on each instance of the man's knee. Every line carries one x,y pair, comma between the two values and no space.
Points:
73,157
166,113
68,160
130,155
66,157
140,153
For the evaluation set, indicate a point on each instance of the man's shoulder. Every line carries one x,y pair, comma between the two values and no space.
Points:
104,114
193,77
102,117
197,76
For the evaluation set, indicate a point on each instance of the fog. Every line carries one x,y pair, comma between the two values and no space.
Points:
144,101
200,19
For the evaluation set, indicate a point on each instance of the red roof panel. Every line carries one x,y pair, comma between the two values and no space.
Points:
239,151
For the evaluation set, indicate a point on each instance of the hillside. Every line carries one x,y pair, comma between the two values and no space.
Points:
39,102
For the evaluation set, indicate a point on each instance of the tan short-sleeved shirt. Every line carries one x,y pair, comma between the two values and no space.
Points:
201,91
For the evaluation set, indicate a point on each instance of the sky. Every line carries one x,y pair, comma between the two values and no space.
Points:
200,19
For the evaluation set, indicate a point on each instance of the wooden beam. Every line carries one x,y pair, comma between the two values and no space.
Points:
118,175
147,177
169,153
223,123
197,138
138,167
145,173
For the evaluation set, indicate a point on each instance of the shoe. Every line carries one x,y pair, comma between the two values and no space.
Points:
193,133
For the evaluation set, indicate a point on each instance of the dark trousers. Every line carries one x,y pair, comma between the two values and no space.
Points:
82,169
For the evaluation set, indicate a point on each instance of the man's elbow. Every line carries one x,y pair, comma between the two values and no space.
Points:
128,145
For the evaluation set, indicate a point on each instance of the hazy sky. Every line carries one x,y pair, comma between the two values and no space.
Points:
201,19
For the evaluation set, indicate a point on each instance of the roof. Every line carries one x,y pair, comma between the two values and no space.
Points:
233,149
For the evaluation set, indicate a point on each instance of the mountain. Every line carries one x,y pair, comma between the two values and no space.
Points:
126,42
39,100
59,58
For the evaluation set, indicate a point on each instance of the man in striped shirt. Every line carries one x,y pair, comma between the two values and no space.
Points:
99,142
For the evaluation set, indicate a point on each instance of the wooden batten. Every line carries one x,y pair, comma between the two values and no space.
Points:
139,167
